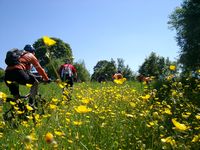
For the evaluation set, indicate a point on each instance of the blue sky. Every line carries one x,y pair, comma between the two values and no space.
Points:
95,29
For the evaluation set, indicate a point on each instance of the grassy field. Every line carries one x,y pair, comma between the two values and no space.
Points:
108,116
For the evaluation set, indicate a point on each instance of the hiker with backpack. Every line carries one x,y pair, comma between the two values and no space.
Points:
68,73
19,63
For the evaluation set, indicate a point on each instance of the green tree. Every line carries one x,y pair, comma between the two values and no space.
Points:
104,69
186,21
156,66
56,53
82,72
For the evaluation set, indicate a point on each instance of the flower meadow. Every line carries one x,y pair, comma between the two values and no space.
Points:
103,116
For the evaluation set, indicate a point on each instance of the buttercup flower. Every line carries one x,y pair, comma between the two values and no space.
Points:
120,81
172,67
83,109
179,126
48,41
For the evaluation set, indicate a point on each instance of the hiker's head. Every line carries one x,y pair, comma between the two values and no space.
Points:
29,48
119,71
67,61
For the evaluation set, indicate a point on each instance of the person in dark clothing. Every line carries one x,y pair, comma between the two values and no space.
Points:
19,74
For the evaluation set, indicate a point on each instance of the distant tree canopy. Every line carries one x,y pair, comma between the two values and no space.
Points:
156,66
82,72
186,21
104,69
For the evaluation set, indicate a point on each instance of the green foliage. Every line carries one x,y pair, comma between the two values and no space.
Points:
104,69
82,73
2,72
52,68
109,116
186,21
155,66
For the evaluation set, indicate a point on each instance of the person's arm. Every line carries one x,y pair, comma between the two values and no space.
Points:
38,67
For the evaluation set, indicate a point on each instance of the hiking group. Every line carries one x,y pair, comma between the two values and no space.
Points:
18,72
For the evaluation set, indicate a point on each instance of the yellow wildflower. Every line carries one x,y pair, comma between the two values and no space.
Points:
29,85
172,67
48,41
61,85
1,135
132,104
179,126
78,123
70,141
83,109
169,140
85,100
198,116
3,96
29,107
168,111
20,112
59,133
8,82
54,100
120,81
195,138
49,137
53,107
12,103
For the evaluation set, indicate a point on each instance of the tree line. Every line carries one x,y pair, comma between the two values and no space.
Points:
184,19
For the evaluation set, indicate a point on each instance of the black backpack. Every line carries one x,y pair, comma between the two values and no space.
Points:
12,56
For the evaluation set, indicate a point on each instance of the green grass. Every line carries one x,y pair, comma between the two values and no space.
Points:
106,116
